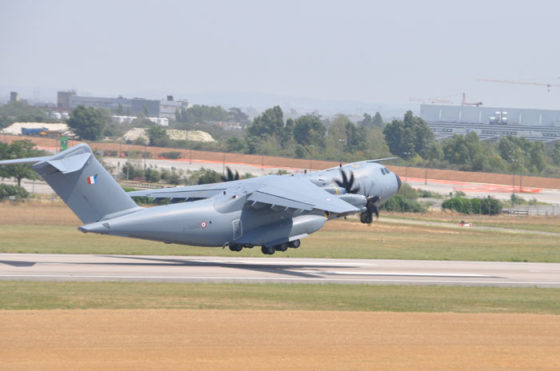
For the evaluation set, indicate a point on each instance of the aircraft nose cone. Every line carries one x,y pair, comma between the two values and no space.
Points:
399,183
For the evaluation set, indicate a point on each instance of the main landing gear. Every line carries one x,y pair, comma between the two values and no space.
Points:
269,250
266,249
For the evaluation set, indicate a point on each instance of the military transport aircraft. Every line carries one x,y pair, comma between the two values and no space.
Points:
273,211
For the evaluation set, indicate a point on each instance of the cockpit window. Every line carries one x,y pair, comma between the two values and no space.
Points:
384,171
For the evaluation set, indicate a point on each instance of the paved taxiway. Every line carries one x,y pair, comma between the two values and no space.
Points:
54,267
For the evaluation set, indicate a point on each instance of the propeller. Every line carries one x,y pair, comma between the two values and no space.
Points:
347,182
230,175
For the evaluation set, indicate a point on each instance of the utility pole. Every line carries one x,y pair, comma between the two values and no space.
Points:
406,154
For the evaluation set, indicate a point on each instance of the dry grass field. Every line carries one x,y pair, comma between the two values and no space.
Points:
257,340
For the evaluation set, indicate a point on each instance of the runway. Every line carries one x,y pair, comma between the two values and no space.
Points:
58,267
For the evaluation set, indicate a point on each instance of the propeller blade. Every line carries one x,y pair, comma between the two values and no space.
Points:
230,175
347,183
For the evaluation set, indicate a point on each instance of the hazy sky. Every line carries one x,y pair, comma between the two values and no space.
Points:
369,51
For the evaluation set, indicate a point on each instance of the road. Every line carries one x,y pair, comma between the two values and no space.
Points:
58,267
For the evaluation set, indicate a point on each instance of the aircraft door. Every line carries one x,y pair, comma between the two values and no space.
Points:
237,229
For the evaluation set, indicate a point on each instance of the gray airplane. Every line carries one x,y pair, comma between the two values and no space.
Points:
273,211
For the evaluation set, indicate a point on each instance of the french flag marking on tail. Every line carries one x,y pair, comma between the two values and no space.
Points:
92,179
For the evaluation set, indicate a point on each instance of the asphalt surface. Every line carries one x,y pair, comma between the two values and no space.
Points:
58,267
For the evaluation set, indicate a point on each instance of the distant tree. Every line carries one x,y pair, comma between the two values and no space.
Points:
270,123
88,122
19,149
158,136
237,115
408,137
466,151
253,144
235,144
356,138
435,152
21,112
367,120
399,139
310,130
536,157
522,155
555,153
378,120
202,114
371,122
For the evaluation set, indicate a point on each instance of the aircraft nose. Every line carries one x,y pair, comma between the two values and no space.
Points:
399,183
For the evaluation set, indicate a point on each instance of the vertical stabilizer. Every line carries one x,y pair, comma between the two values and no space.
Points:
84,184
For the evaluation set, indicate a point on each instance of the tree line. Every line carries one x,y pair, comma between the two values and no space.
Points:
335,138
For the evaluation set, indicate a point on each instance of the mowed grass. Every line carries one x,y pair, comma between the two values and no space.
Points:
524,223
136,295
52,228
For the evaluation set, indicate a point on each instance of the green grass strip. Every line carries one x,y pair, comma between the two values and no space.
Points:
20,295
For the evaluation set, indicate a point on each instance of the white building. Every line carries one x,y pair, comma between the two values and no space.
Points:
168,107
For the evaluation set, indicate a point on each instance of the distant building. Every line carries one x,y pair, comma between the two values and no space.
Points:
168,107
14,96
63,99
492,123
68,100
128,106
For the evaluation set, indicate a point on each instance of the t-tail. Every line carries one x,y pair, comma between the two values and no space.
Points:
83,183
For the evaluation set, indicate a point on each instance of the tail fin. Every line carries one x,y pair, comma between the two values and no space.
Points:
82,182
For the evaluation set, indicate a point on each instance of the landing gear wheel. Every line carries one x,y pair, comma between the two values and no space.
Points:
363,217
295,244
366,217
282,247
235,247
268,250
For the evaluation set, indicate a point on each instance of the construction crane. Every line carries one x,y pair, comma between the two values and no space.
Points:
465,103
446,100
430,100
533,83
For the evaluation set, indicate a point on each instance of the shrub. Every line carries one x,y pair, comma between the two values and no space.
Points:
485,206
402,204
7,191
172,155
151,175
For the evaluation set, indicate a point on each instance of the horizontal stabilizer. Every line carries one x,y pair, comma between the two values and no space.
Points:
70,164
381,159
29,160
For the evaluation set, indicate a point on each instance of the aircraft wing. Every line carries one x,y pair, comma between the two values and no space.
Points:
296,192
186,192
292,192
